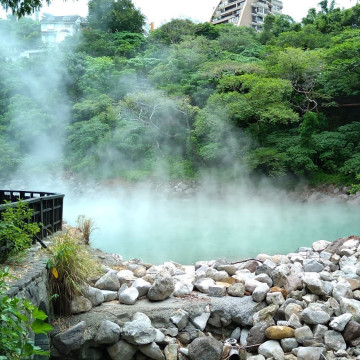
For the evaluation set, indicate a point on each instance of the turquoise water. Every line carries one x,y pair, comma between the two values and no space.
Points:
156,229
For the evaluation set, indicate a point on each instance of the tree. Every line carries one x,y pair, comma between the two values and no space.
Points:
115,16
21,8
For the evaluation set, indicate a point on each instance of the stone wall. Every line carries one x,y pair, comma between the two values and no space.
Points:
31,282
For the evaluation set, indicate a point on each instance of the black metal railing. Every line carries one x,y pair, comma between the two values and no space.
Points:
47,208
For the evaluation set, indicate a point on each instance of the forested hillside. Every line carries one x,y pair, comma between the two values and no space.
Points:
186,97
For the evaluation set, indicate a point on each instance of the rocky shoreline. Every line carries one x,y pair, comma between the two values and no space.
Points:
303,305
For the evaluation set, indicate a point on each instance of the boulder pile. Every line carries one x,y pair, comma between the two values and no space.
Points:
304,305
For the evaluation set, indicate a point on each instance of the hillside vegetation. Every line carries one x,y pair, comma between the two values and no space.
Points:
187,97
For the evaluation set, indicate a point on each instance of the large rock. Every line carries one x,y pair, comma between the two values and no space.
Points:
314,284
311,265
184,285
205,348
256,334
260,292
351,331
311,353
271,348
128,296
109,295
142,286
204,284
180,318
351,306
201,320
152,351
238,310
122,350
334,340
315,315
171,351
108,333
237,289
303,334
340,322
162,288
139,331
80,304
108,282
94,295
70,339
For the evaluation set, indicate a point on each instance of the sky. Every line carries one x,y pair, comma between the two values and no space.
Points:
161,11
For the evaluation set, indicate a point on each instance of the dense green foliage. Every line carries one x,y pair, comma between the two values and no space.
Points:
18,318
16,231
190,97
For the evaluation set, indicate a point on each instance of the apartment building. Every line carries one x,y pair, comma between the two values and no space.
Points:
245,12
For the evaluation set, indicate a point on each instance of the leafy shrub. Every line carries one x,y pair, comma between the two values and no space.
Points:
355,187
70,265
16,230
18,318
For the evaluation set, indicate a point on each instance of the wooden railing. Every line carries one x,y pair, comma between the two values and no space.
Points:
47,208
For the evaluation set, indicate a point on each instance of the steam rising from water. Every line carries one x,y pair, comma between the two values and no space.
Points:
234,224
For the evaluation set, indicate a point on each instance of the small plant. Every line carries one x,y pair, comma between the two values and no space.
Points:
18,318
86,226
355,187
70,265
16,230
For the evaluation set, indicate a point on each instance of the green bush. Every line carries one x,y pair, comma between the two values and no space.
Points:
18,318
16,230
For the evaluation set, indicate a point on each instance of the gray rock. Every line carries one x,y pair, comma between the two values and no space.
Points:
271,349
291,309
266,314
108,333
217,290
160,337
251,285
311,353
94,295
122,351
236,333
256,334
315,315
237,289
152,351
80,304
319,331
183,285
142,286
139,331
230,269
352,307
264,278
342,289
260,292
275,298
70,339
320,245
108,282
256,357
162,288
180,319
126,276
128,296
294,321
288,344
171,351
201,320
311,265
302,334
340,322
205,348
334,340
204,284
243,337
109,295
314,284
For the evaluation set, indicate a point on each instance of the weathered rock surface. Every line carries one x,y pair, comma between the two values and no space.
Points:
70,339
205,348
